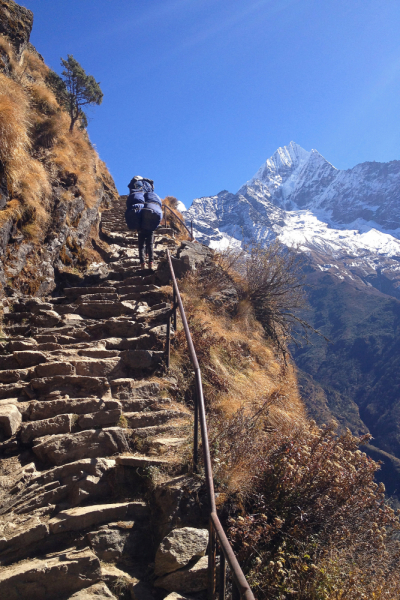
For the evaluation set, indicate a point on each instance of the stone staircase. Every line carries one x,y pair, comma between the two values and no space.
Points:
85,419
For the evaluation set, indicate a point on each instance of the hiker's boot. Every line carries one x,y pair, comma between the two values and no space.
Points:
150,265
142,265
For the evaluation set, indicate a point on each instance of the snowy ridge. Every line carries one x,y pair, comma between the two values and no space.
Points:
333,215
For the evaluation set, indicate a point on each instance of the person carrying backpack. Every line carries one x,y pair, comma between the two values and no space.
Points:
143,214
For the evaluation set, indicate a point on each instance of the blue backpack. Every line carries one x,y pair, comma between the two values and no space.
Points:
151,213
134,207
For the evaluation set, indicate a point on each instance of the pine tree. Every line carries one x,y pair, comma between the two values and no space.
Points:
82,90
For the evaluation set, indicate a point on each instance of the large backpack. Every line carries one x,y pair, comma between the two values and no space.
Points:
134,207
151,213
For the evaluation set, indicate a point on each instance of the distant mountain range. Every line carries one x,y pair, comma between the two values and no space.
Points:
347,222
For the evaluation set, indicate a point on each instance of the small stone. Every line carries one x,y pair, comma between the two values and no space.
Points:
98,591
10,419
179,547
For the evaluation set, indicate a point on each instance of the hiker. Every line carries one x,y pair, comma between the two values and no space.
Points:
143,214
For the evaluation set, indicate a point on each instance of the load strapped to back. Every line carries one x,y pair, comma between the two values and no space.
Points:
143,206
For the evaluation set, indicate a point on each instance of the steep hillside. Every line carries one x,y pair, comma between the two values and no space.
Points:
52,183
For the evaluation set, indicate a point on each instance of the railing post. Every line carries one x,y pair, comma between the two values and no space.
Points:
235,591
168,341
196,431
212,555
174,309
222,575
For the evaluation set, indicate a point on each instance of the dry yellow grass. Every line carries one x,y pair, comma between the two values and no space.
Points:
37,150
244,380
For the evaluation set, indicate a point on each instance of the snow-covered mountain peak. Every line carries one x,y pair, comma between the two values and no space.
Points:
282,163
301,198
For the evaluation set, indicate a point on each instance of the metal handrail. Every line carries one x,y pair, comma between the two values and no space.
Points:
240,587
190,231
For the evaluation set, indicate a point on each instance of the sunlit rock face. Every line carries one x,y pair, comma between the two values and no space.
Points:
15,23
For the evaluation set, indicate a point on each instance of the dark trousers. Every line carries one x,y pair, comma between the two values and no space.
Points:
146,240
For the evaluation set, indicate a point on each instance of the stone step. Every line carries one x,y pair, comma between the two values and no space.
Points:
73,385
46,409
14,375
54,576
138,420
81,518
38,429
126,388
140,460
75,292
93,443
143,342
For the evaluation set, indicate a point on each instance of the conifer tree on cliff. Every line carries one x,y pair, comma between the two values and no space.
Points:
82,90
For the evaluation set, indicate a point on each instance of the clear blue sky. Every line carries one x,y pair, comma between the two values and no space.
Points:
199,93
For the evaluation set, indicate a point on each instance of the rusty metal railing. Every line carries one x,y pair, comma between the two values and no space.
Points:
190,231
240,587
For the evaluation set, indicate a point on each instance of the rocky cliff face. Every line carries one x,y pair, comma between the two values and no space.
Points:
53,185
16,24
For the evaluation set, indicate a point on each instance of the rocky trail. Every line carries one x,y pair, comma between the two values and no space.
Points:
85,419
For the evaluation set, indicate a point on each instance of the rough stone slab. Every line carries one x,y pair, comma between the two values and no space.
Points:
98,353
95,367
142,342
151,418
108,544
60,449
13,375
100,309
54,368
75,519
141,359
163,444
128,387
10,419
105,295
136,404
29,358
29,344
86,466
98,591
37,531
51,408
51,577
13,390
187,580
178,548
100,418
52,496
54,425
72,384
47,318
115,328
9,362
81,291
141,461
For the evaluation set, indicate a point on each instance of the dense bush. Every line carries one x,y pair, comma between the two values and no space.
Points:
315,524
